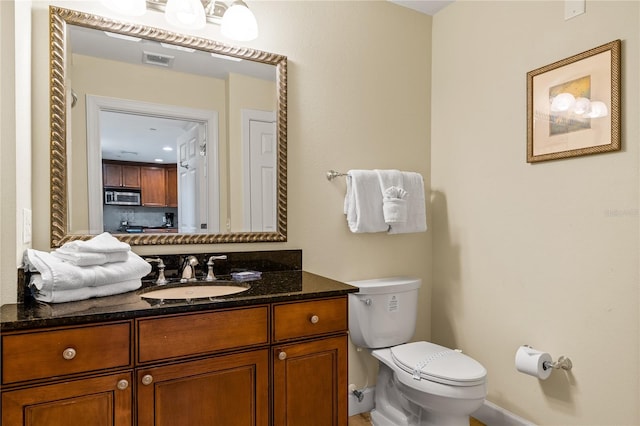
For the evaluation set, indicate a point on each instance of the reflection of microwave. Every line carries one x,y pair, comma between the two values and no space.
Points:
121,198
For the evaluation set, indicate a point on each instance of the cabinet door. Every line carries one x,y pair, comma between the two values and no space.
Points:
131,176
310,383
100,401
172,186
152,186
223,390
111,175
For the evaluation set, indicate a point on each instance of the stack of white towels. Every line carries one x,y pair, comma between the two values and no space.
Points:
79,270
390,201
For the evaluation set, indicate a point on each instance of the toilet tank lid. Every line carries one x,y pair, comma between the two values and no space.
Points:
385,285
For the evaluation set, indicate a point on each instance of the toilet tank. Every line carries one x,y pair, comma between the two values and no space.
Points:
383,312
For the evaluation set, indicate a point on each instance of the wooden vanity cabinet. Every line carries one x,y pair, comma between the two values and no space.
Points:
273,364
310,363
227,385
68,376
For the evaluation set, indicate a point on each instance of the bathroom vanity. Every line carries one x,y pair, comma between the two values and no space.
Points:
273,355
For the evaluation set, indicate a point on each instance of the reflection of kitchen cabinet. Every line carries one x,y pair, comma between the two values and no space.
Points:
172,186
153,186
159,186
115,175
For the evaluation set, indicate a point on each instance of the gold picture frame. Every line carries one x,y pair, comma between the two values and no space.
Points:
573,105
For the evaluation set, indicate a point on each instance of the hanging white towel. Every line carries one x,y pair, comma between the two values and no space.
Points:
363,202
394,203
413,184
57,275
103,243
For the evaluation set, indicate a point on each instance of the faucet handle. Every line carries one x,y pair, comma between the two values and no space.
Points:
161,278
210,275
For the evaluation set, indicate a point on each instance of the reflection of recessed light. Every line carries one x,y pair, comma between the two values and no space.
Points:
228,58
167,148
159,160
122,36
173,46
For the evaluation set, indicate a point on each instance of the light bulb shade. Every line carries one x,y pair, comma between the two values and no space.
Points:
582,106
187,14
563,102
239,23
126,7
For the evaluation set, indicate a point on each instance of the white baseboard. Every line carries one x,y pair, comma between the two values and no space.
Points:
492,415
357,407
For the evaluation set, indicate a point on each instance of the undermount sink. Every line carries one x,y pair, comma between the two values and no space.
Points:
190,291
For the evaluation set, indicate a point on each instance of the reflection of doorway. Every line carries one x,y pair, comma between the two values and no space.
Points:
259,142
209,145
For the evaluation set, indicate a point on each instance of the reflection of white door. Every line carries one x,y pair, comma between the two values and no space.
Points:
262,179
189,216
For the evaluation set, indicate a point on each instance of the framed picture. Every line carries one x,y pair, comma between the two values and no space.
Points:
573,105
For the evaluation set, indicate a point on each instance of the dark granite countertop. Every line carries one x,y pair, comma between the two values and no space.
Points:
278,286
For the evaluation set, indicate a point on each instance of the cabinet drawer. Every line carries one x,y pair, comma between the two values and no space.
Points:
303,319
58,352
195,334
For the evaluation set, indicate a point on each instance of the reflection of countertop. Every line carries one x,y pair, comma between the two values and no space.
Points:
272,287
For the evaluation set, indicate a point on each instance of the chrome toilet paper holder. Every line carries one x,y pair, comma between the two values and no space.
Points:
562,363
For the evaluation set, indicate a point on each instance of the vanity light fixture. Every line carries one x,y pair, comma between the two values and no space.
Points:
237,21
581,107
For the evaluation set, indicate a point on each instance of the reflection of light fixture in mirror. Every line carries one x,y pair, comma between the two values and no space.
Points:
583,107
185,14
225,57
239,23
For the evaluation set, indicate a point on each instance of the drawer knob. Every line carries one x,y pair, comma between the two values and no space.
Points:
69,353
147,379
123,384
282,356
314,319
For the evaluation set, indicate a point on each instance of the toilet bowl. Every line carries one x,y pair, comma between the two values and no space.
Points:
419,383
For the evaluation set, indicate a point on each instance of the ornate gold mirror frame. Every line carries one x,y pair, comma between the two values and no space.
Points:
58,19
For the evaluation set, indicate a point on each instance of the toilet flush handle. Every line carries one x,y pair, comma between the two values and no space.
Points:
366,301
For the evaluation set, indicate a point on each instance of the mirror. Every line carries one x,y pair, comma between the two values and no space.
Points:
122,92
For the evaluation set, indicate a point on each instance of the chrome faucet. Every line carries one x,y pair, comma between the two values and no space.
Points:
189,269
161,278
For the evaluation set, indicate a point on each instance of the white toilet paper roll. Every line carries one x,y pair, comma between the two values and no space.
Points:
530,361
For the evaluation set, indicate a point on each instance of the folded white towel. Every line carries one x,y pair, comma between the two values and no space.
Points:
103,243
60,296
79,258
363,202
59,275
394,205
416,206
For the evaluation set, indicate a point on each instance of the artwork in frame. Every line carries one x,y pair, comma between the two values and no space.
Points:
573,105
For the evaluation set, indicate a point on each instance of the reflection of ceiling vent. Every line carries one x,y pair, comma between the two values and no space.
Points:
157,59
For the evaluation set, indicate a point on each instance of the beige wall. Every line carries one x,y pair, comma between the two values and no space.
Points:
543,254
357,98
244,93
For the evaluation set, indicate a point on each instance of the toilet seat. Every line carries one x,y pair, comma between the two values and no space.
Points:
435,363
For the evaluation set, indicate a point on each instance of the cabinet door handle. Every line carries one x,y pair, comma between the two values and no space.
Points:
314,319
123,384
147,379
282,356
69,354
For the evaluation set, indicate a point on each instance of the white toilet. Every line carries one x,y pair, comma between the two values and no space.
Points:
418,383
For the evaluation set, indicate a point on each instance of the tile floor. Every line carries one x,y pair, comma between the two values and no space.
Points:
364,420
